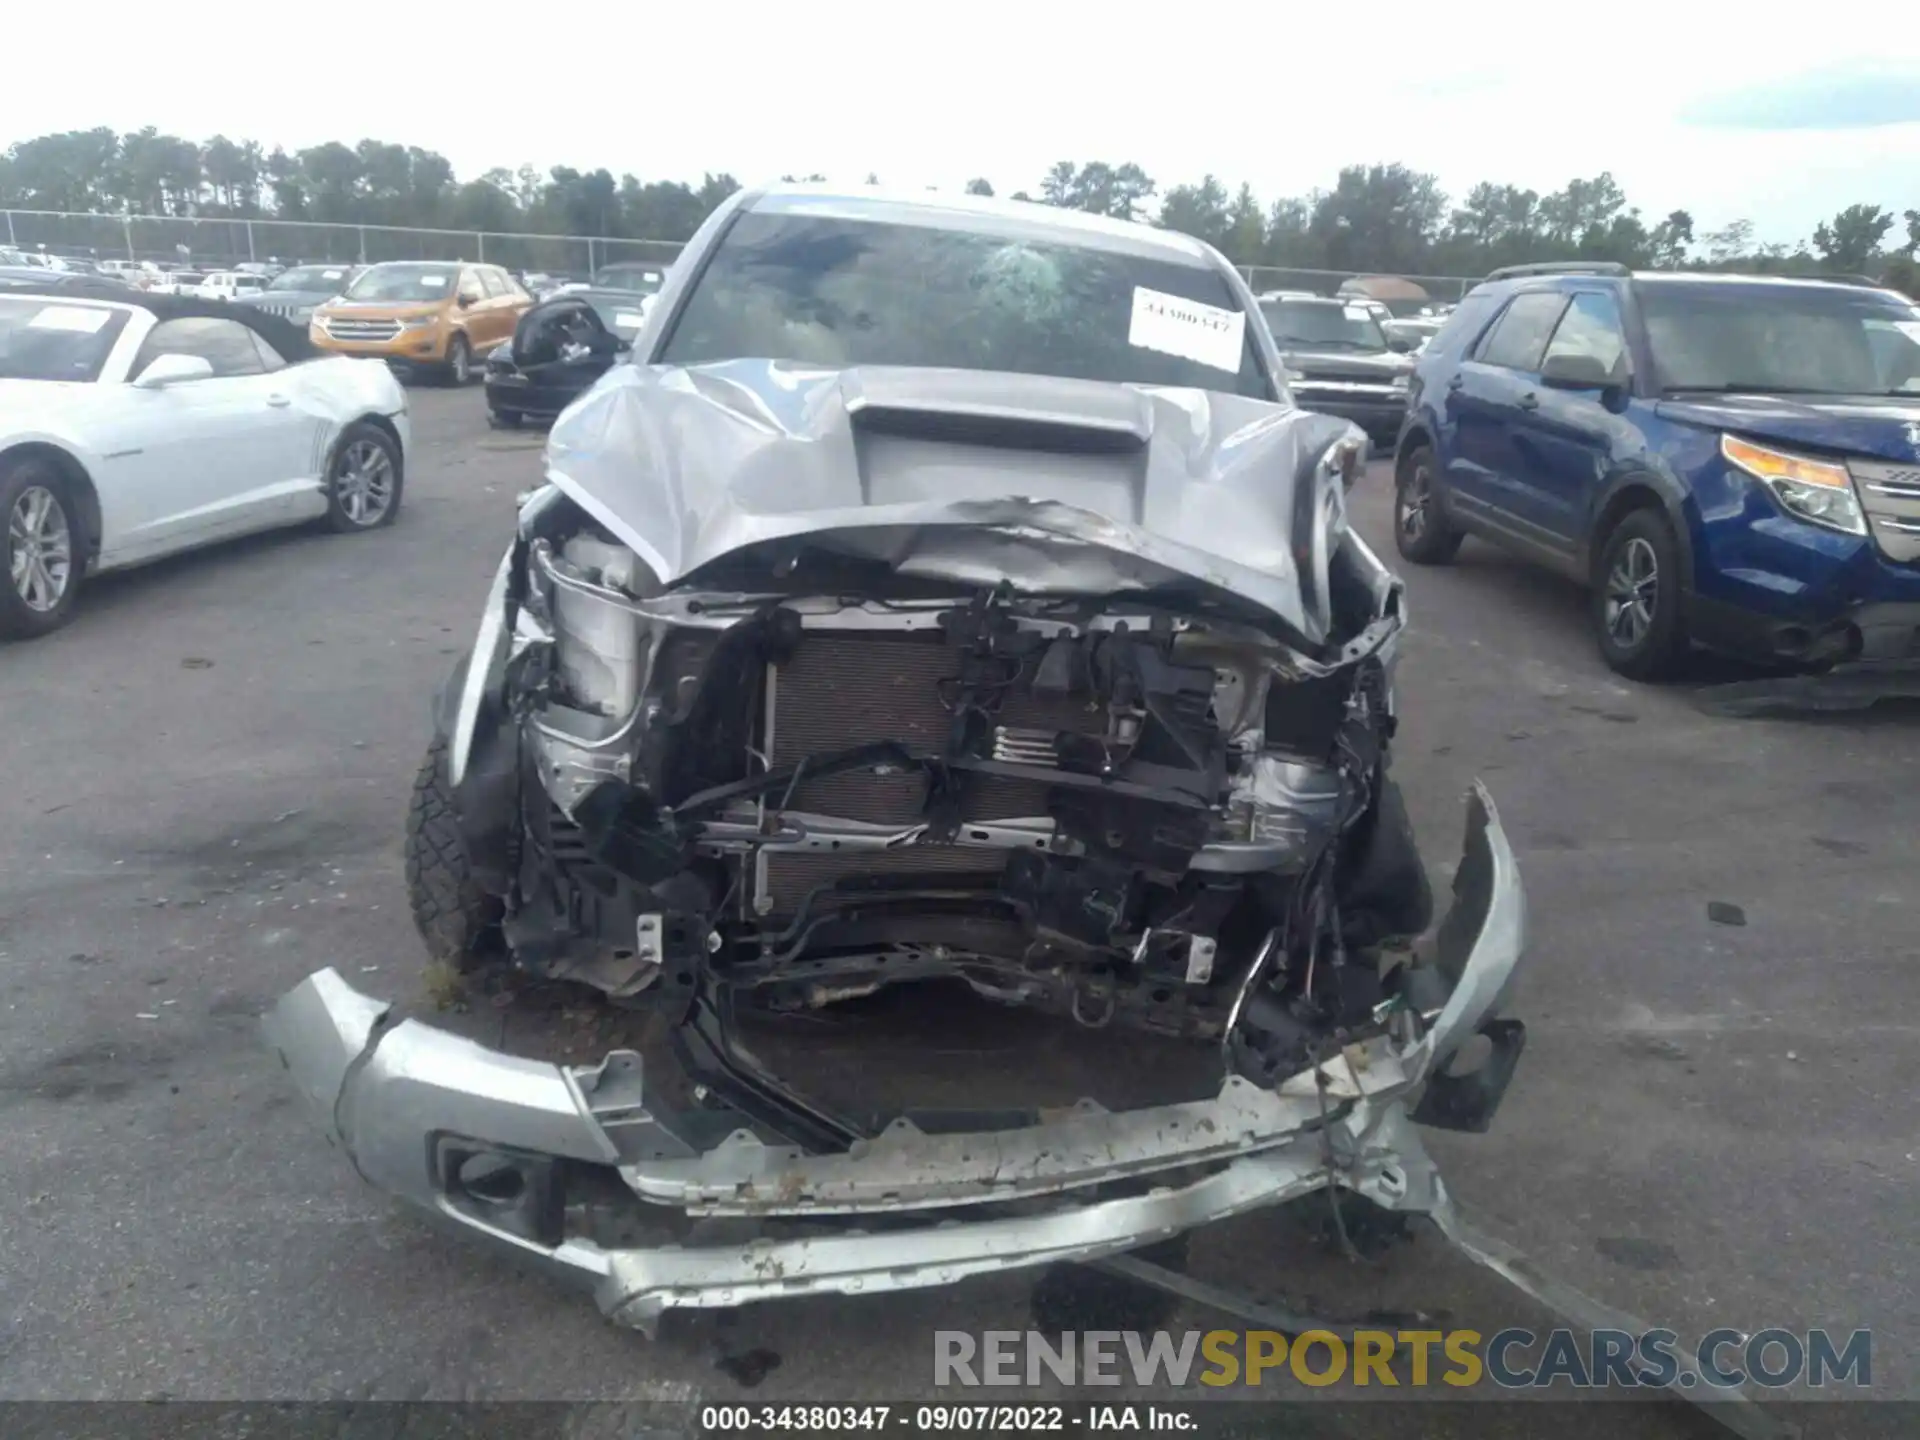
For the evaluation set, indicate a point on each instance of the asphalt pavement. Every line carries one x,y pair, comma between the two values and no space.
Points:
206,778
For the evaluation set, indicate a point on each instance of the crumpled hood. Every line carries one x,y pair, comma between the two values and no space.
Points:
1063,486
1886,426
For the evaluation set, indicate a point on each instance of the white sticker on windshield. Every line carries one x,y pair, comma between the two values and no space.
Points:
69,317
433,282
1357,312
1909,328
628,319
1175,325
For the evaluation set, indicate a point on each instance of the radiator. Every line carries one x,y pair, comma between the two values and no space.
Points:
843,689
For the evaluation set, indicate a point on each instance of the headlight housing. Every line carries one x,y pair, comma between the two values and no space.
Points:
420,322
1818,491
1344,460
1400,382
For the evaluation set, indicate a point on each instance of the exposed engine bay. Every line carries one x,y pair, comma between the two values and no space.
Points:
1112,811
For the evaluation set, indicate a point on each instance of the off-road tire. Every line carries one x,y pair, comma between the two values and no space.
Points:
18,619
1421,532
1660,652
458,922
458,366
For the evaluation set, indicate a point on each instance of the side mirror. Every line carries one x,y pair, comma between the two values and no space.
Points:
173,370
466,301
1400,345
1576,372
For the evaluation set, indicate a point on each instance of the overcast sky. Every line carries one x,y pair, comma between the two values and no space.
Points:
1778,122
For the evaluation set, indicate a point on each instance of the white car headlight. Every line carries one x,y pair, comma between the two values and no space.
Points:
1399,382
420,322
1818,491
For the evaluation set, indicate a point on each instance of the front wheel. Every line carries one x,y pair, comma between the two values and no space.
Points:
459,362
1637,601
42,549
458,922
1421,530
363,482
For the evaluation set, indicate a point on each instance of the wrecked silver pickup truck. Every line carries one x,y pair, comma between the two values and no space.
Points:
948,591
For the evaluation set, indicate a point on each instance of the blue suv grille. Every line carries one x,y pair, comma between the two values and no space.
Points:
1890,494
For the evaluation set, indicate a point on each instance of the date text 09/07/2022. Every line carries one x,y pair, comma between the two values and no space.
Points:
933,1419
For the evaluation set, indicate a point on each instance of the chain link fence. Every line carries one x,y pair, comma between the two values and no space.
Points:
219,243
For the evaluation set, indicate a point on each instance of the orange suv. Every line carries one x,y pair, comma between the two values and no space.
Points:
423,316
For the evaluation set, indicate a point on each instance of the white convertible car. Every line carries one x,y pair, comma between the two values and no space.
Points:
132,429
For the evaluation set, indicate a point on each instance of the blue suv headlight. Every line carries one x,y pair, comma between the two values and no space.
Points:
1818,491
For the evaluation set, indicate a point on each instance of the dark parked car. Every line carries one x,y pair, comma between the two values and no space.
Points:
1729,460
33,279
559,349
295,294
1340,362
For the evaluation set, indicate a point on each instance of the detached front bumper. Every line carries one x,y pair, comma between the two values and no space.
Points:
503,1147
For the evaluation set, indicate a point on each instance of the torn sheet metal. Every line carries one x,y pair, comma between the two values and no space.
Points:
1074,486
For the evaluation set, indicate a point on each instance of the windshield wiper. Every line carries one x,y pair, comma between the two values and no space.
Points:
1326,344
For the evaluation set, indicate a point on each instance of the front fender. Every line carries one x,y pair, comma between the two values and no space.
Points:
446,702
480,677
1674,501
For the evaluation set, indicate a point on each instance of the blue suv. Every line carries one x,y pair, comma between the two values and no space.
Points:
1731,461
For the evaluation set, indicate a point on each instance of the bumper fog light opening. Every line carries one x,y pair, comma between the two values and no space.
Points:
512,1193
489,1179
